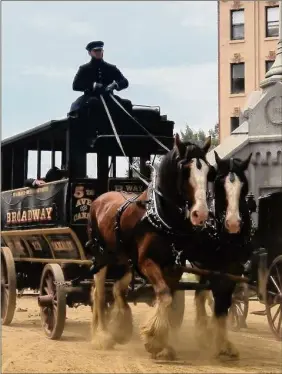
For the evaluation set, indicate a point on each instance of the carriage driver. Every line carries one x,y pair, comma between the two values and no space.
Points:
95,78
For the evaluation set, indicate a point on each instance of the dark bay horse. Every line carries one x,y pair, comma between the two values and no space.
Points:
228,252
140,230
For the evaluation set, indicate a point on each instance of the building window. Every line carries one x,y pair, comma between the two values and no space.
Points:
268,65
272,21
237,24
234,123
238,78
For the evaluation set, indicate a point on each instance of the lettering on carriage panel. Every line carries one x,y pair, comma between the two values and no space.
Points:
31,191
83,205
81,202
135,188
29,215
80,216
90,192
62,245
36,245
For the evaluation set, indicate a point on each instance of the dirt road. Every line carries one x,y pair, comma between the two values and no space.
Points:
25,349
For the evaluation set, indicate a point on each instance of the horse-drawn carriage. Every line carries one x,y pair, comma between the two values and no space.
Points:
44,229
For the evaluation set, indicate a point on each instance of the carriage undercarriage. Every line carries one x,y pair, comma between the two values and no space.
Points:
61,285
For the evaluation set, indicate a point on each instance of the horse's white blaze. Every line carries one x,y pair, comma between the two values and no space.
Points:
233,190
198,180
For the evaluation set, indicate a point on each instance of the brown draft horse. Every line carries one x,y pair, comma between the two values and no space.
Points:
180,206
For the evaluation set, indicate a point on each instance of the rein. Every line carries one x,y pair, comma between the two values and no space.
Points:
140,175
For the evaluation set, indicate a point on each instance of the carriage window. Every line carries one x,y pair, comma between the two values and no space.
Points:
45,162
155,159
112,167
32,164
122,170
136,163
91,165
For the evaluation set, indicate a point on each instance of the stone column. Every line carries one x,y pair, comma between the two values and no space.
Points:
275,72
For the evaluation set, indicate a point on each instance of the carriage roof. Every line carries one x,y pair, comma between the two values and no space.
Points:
77,137
98,132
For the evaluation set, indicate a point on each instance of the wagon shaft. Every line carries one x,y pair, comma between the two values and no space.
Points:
197,271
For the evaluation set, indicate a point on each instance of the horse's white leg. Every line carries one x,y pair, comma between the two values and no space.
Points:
101,339
155,331
201,321
120,324
222,346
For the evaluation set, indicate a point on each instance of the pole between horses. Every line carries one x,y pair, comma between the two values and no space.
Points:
197,271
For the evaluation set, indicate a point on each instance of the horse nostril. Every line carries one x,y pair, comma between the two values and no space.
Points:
195,214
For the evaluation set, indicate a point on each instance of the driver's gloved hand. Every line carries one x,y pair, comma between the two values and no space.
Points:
98,88
111,87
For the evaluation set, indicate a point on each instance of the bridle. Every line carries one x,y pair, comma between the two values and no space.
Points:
181,162
222,217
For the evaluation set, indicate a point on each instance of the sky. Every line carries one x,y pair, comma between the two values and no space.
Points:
166,49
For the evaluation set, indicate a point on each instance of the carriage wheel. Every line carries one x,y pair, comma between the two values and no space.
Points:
238,311
52,301
176,313
274,297
8,286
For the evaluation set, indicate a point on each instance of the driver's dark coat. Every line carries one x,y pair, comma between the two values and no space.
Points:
98,71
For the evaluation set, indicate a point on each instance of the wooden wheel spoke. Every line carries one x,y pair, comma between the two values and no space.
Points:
280,319
46,289
276,314
279,277
49,282
275,284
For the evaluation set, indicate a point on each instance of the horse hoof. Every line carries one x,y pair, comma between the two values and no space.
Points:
168,354
228,350
103,342
121,326
153,347
203,338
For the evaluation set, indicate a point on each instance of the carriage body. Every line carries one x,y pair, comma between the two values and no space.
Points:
43,229
265,267
270,224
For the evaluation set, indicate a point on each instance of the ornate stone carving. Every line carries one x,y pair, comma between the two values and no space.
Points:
267,159
272,3
245,115
273,110
237,58
236,4
236,111
271,56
